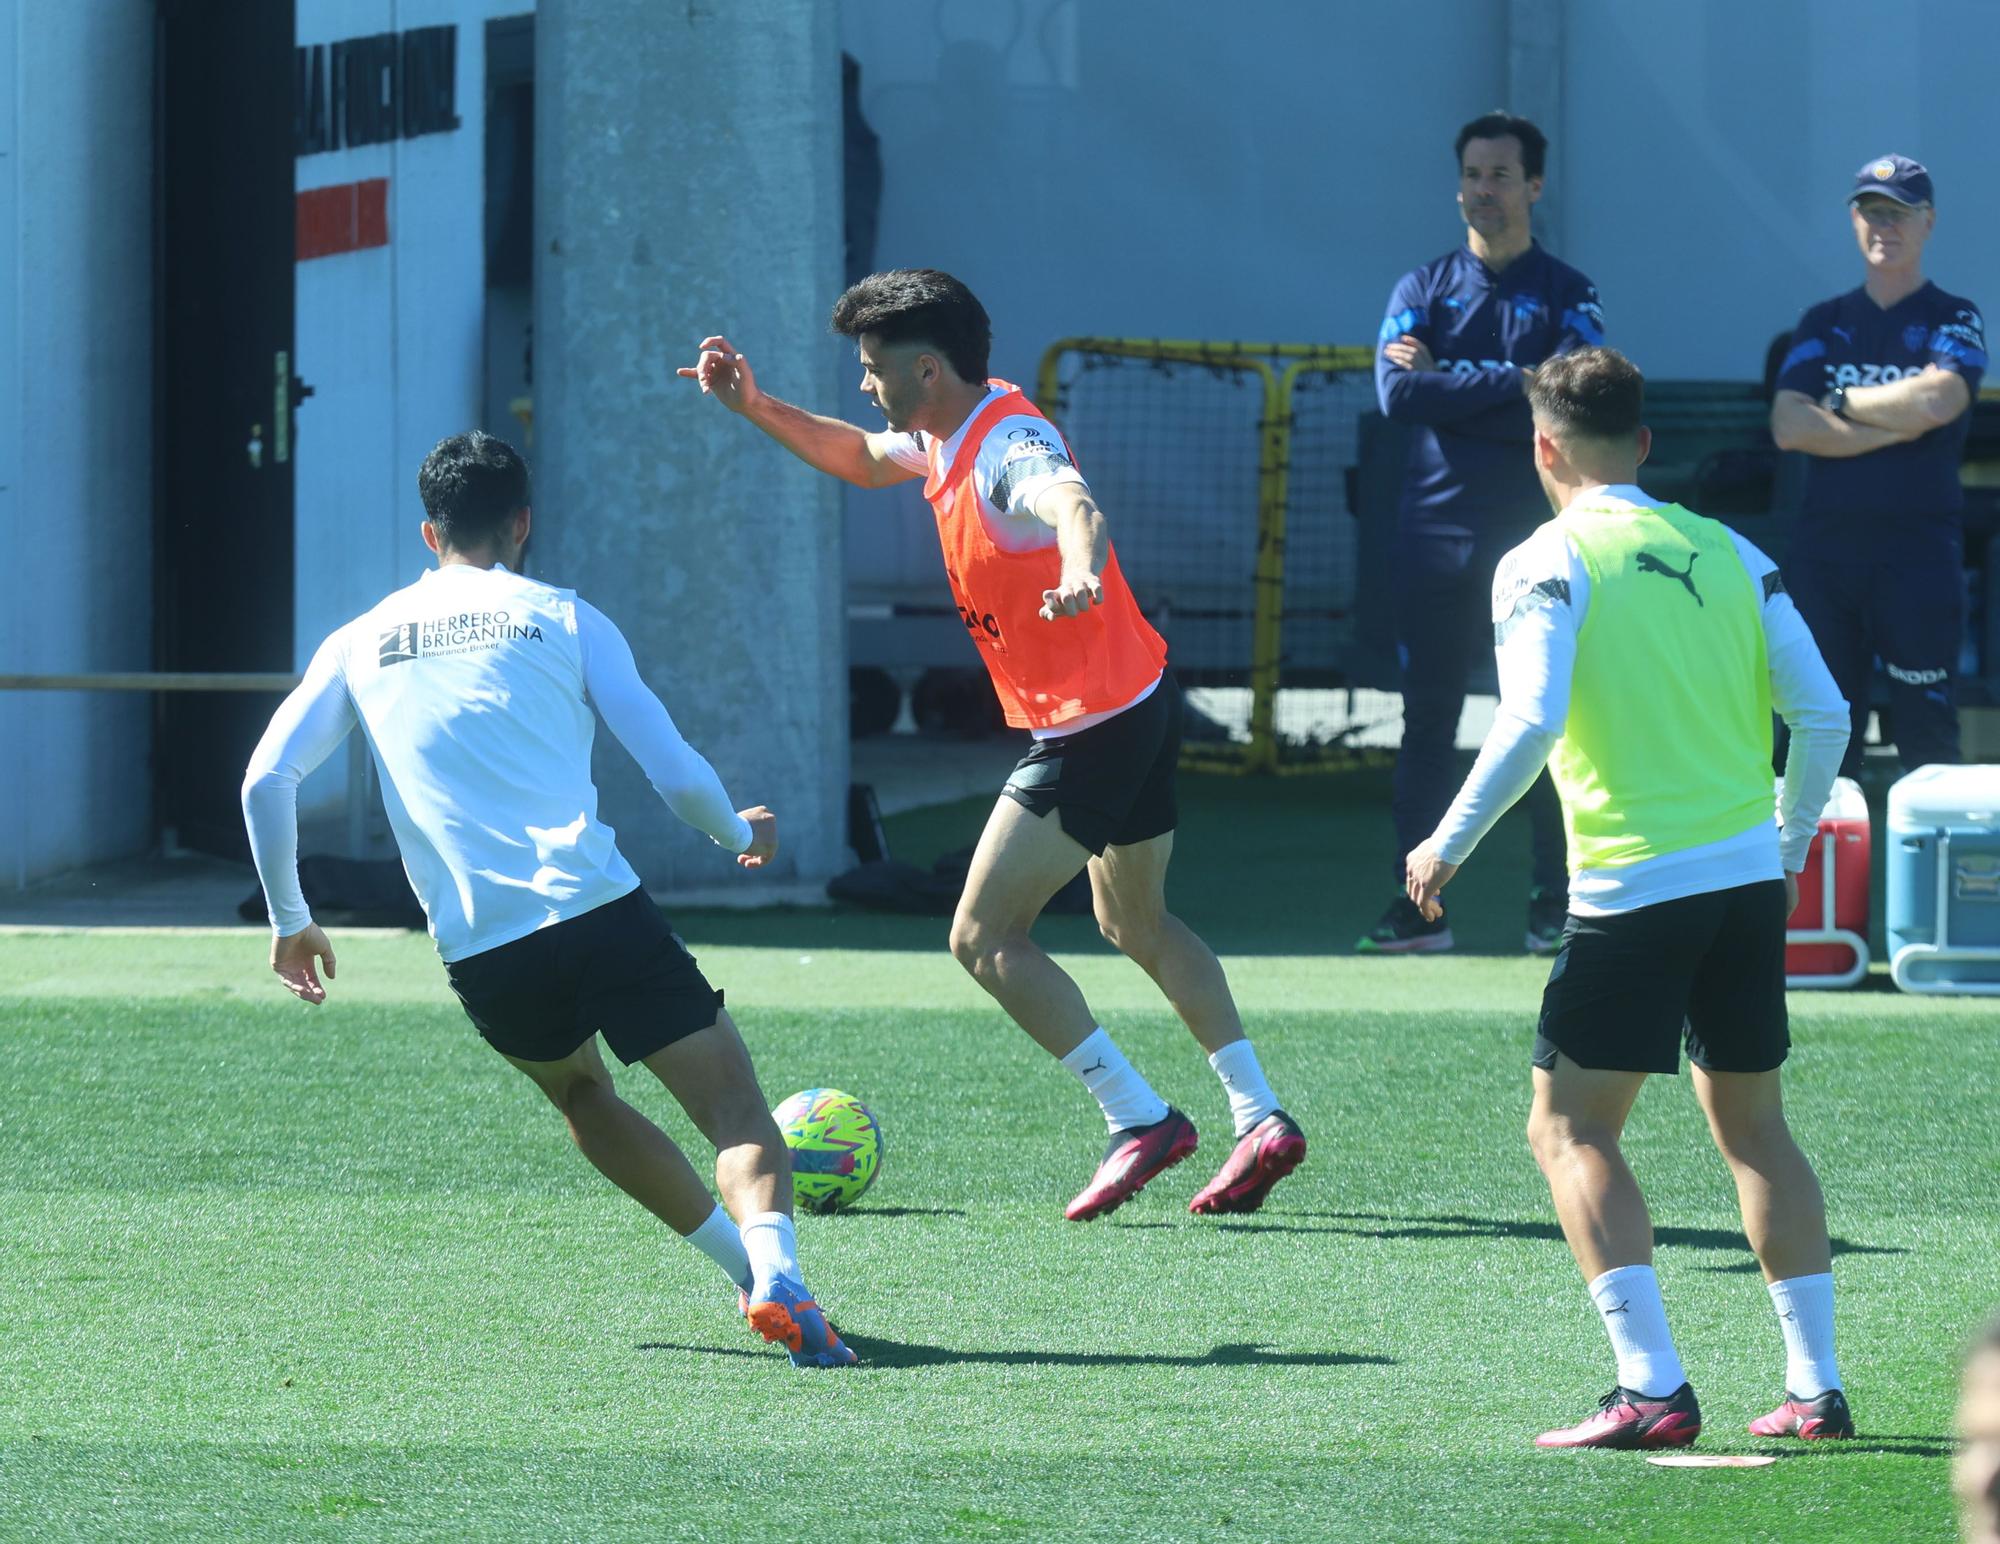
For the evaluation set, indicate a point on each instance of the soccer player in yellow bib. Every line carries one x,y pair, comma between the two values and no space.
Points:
1642,649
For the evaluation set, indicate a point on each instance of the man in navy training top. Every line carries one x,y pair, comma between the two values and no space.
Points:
1456,352
1877,391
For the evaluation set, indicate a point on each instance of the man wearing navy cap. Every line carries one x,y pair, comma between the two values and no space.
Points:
1460,341
1877,391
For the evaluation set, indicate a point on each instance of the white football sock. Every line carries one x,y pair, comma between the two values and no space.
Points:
1805,1317
771,1245
1250,1097
1126,1098
1628,1301
719,1239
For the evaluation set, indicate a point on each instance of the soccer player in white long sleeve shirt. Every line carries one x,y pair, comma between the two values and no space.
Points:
1642,650
475,688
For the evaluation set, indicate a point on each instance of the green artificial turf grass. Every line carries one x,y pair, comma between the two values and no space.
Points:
274,1272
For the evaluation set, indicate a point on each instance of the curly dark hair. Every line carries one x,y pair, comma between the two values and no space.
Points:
471,485
920,305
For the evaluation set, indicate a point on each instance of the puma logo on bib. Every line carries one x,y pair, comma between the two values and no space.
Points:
1651,564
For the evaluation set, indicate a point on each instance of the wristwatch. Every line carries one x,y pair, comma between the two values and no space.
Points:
1835,402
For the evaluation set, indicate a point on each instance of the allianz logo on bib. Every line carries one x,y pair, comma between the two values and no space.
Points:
463,632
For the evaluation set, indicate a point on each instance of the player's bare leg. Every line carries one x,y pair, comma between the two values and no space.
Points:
624,1146
710,1076
1574,1128
1784,1217
1128,891
1128,888
635,1155
709,1073
1021,861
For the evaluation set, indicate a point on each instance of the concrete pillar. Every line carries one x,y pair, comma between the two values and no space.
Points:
76,412
688,181
1535,91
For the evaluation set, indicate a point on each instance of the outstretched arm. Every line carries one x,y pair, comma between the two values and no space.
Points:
305,730
677,771
830,445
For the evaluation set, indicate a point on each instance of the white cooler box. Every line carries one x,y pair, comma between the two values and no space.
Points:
1943,917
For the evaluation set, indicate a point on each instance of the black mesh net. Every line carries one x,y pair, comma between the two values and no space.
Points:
1320,528
1173,449
1170,451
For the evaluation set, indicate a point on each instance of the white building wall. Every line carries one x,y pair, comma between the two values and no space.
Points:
76,393
390,338
1156,168
14,709
1712,144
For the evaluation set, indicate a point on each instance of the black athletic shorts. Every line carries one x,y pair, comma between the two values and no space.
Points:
617,970
1627,990
1112,784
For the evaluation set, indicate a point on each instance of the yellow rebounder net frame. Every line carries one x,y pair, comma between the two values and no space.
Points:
1277,368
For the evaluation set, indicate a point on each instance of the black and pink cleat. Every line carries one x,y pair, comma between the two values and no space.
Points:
1264,1154
1628,1420
1134,1157
1810,1420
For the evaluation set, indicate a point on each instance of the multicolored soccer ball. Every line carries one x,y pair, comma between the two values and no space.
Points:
836,1147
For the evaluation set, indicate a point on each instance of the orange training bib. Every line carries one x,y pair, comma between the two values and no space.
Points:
1046,673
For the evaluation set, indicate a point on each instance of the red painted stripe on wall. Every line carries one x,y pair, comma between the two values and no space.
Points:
347,217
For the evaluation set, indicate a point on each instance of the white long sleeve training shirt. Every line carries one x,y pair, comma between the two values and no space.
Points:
474,688
1541,592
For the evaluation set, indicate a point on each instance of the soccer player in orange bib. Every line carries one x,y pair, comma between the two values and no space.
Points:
1028,554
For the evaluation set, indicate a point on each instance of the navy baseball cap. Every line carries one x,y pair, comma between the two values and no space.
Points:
1894,176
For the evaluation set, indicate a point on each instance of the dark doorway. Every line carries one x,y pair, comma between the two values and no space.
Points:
509,408
225,393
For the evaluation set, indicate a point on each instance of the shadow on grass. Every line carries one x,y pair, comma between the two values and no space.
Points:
863,1213
897,1353
1450,1227
1866,1441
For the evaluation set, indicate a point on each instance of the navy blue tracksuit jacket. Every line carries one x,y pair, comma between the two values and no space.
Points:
1469,495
